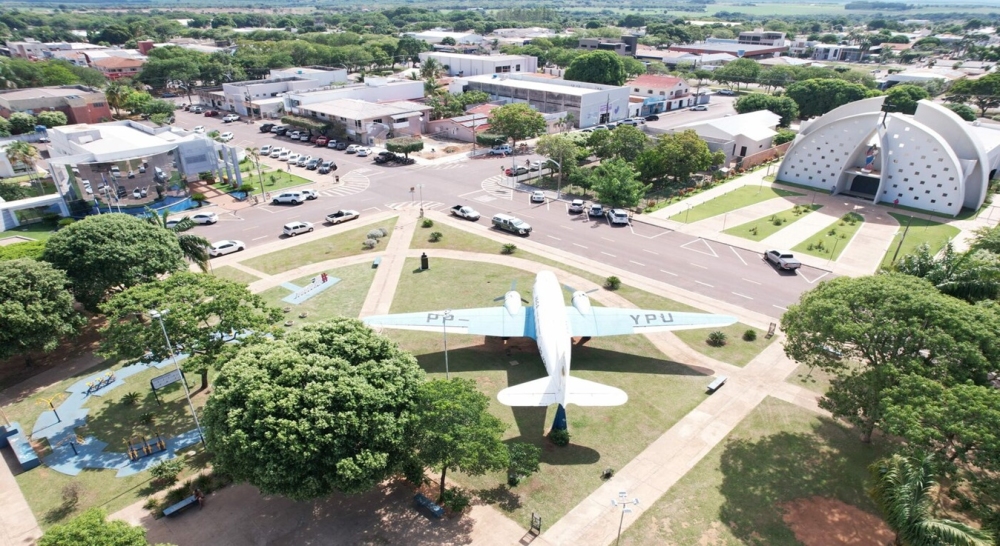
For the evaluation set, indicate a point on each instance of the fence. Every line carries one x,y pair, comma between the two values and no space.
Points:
752,161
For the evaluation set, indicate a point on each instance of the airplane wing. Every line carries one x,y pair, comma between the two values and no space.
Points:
485,321
610,321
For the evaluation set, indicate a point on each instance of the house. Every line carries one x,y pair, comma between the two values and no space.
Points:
114,68
473,65
738,50
367,121
436,36
738,136
264,98
845,53
80,103
660,93
626,46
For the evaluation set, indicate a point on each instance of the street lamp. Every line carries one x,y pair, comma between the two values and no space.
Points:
158,315
559,183
624,503
445,317
421,188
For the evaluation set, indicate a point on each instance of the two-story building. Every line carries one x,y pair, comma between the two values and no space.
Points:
626,46
762,37
459,64
660,93
114,68
367,122
80,103
264,98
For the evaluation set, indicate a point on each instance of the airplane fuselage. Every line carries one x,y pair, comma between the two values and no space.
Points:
552,331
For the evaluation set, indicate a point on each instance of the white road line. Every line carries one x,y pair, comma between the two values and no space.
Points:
556,238
259,238
651,252
606,239
606,254
668,273
738,255
780,307
251,228
371,208
742,296
704,284
637,263
701,266
567,227
579,245
749,281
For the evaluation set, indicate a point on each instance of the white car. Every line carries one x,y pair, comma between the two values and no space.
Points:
283,156
294,228
538,196
535,166
342,216
294,135
227,136
699,108
331,144
364,152
230,117
265,150
576,206
353,148
303,159
309,194
618,216
276,152
222,248
293,157
205,218
200,129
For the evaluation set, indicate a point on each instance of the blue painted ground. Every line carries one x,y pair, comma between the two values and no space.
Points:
90,452
299,294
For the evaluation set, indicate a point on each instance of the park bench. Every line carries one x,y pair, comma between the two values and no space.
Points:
424,502
185,503
715,385
21,447
376,261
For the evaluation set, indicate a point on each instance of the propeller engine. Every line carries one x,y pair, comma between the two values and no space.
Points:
512,300
579,298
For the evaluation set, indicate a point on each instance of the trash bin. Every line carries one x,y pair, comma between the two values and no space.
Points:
423,262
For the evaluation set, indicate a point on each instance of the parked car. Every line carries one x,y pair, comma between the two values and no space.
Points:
352,149
292,229
462,211
222,248
364,152
341,145
512,224
501,150
230,117
313,163
538,196
169,95
326,167
131,173
782,259
536,166
265,150
596,210
205,218
699,108
618,216
211,113
279,131
342,216
587,130
728,92
652,117
313,138
303,160
200,129
288,197
310,195
576,206
294,135
516,171
304,137
283,155
322,141
293,158
226,137
266,128
332,143
276,128
602,128
276,152
197,109
137,193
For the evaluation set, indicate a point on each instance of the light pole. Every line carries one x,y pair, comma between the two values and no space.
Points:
624,503
421,188
158,315
559,182
444,332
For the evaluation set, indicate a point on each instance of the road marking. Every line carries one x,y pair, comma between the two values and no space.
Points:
606,239
738,255
805,278
651,252
251,228
668,273
579,245
259,238
567,227
556,238
371,208
711,251
780,307
748,280
705,284
696,265
637,263
606,254
742,296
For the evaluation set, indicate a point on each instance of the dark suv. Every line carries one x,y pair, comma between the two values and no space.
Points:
280,131
266,128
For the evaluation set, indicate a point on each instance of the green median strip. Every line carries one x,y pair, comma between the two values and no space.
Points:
764,227
833,239
736,199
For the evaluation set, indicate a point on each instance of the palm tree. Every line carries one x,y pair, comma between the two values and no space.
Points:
902,491
254,154
431,69
972,276
116,93
193,247
20,151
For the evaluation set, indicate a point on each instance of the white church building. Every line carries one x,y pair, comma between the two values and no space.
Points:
932,160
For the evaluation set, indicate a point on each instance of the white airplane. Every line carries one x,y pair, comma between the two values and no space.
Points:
553,325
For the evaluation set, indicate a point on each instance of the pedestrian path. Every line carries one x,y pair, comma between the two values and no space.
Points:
495,186
415,205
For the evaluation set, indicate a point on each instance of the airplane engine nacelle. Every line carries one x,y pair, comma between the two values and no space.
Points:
582,302
512,302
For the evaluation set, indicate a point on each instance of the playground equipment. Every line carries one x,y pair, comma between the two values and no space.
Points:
101,382
143,448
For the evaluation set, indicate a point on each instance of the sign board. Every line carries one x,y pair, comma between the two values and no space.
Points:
163,380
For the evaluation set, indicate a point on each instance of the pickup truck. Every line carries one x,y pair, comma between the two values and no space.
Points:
468,213
782,260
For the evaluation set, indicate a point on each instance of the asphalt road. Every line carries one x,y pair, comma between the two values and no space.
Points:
726,273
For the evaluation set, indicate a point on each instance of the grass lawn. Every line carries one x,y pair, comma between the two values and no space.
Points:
736,199
273,181
660,391
762,228
40,231
236,275
934,234
738,493
815,379
347,243
834,238
113,422
342,299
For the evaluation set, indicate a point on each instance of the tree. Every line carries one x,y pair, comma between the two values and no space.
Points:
774,77
516,121
331,407
4,127
783,106
431,69
816,97
633,68
36,308
603,67
560,149
625,142
409,48
24,153
983,92
522,461
193,247
740,71
616,183
404,145
902,489
52,118
868,331
448,40
21,123
204,311
93,528
677,155
903,98
28,249
12,191
972,276
117,93
964,111
136,101
456,430
113,34
111,252
783,136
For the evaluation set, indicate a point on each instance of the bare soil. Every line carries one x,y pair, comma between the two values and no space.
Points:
820,521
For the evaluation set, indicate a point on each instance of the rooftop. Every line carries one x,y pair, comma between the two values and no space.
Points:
754,125
119,62
46,92
113,139
360,109
655,81
727,48
565,87
500,58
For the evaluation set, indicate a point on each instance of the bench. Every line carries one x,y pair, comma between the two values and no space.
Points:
424,502
715,385
26,456
376,261
770,330
174,509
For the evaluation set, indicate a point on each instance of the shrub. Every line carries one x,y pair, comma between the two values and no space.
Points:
717,338
369,244
436,236
151,504
375,234
456,499
832,232
508,248
130,399
63,222
750,335
612,283
385,232
559,437
166,471
147,418
427,223
198,198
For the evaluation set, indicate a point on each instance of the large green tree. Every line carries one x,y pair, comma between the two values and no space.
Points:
21,123
676,155
24,153
331,407
93,529
204,313
456,430
973,275
603,67
816,97
903,98
194,247
625,142
111,252
983,92
737,73
516,121
616,183
869,331
783,106
52,118
36,308
561,149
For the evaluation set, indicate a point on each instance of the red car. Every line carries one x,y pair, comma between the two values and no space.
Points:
211,113
321,141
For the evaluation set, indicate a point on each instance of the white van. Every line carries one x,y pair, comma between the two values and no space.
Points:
289,197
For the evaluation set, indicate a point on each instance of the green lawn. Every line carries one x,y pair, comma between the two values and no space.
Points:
834,238
281,180
934,234
347,243
736,199
815,379
762,228
236,275
739,492
40,231
660,391
342,299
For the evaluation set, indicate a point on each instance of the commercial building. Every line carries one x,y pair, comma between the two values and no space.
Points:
435,37
589,103
673,59
660,93
738,136
739,50
262,98
473,65
762,37
114,68
845,53
80,103
626,46
33,50
932,160
367,122
372,90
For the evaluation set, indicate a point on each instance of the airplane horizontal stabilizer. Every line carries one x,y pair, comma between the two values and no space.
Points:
589,393
540,392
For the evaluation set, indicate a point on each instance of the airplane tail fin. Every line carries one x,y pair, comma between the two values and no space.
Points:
540,392
589,393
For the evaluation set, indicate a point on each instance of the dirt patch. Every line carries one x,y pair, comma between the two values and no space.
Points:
820,521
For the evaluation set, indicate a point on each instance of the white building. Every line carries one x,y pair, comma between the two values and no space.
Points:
263,96
738,136
932,160
762,37
372,90
660,93
589,103
474,65
435,37
366,121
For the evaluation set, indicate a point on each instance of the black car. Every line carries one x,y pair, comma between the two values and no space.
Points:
281,131
342,145
327,167
653,117
266,128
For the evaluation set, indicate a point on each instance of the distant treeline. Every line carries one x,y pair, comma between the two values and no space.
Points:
878,5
